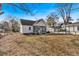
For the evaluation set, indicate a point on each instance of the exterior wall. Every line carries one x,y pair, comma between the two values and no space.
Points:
75,28
20,27
72,29
47,28
41,23
67,29
51,30
39,29
25,29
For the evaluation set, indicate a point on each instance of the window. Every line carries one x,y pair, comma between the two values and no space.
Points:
29,28
78,28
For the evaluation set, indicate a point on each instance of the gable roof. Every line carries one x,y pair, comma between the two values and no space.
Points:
73,24
27,22
39,21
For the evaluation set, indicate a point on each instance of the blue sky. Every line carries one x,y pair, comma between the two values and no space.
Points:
40,10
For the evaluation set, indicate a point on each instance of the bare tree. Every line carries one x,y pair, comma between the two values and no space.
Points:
52,19
64,10
1,12
22,7
15,27
5,26
11,24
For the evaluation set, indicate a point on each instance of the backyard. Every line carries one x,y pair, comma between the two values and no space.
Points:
15,44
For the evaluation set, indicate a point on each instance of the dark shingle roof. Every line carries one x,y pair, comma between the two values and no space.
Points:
27,22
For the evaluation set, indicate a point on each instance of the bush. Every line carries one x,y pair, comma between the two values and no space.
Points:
62,30
47,32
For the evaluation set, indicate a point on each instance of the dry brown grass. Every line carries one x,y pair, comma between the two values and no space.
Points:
50,45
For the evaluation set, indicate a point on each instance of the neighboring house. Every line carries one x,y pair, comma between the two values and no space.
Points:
34,27
56,28
73,28
1,28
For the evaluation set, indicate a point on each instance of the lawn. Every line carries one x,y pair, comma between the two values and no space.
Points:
39,45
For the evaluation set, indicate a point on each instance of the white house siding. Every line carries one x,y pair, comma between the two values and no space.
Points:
51,30
76,30
47,28
72,29
21,31
25,29
67,28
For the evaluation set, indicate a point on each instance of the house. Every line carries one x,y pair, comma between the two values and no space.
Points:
33,27
56,28
1,28
73,28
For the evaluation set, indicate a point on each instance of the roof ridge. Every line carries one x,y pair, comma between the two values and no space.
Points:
26,20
